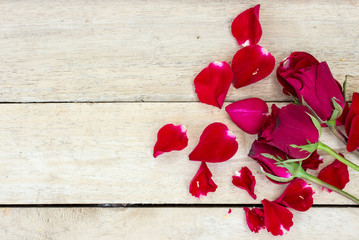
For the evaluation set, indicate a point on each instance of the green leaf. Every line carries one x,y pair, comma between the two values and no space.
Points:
316,124
311,147
338,110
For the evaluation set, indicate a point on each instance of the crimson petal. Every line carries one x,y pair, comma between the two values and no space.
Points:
335,174
216,144
202,182
213,82
313,161
244,179
298,195
276,217
254,218
169,138
246,27
251,64
248,114
353,138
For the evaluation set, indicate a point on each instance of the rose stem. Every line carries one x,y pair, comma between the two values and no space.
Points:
326,148
339,134
305,175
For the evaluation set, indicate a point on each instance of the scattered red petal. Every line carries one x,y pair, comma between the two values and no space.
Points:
169,138
313,161
298,195
244,179
353,138
213,82
248,114
341,120
251,64
276,217
202,182
246,27
335,174
353,111
254,218
217,144
229,211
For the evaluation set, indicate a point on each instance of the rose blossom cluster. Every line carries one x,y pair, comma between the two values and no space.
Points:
287,138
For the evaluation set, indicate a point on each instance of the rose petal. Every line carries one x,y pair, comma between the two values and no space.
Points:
269,125
169,138
353,111
341,120
276,217
254,218
217,144
251,64
298,195
335,174
202,182
248,114
244,179
313,161
246,27
269,165
213,82
353,138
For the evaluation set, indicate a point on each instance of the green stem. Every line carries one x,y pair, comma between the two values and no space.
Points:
326,148
305,175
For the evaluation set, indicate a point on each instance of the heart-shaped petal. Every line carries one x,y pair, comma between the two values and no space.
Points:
298,195
216,144
276,217
244,179
202,182
248,114
246,27
335,174
251,64
169,138
213,82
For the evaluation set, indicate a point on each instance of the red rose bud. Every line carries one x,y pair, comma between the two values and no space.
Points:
297,62
289,128
254,218
268,164
216,144
202,182
213,82
169,138
248,114
244,179
276,217
246,27
316,87
251,64
352,124
298,195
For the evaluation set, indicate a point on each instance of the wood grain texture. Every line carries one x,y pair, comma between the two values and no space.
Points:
102,153
151,50
168,223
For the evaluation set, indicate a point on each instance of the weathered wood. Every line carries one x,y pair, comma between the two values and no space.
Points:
151,50
168,223
99,153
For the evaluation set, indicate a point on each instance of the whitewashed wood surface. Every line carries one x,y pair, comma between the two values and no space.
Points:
85,85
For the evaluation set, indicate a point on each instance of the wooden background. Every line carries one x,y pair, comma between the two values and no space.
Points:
85,86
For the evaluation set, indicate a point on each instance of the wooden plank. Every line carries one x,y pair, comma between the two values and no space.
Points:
102,153
168,223
151,50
